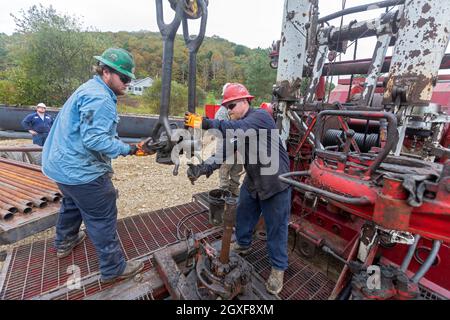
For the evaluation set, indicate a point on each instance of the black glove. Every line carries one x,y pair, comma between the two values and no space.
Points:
196,171
133,149
142,148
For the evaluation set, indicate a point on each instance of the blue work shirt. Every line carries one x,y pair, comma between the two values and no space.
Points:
41,125
259,185
83,139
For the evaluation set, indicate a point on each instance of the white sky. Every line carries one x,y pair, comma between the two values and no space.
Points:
254,23
249,22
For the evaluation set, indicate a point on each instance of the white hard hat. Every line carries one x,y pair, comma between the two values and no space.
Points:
41,105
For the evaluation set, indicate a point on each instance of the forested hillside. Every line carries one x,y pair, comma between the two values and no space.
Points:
50,55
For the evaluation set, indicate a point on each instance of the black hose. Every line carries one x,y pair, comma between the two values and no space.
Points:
346,292
183,221
428,263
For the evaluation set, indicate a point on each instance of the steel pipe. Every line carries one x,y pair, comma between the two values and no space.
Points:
20,206
14,199
362,66
37,202
47,194
8,207
228,223
28,181
364,7
410,254
6,215
21,164
25,173
318,191
20,149
22,191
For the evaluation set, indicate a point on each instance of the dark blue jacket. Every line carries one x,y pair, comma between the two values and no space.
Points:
257,182
42,127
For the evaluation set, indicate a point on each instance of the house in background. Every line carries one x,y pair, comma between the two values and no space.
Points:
138,86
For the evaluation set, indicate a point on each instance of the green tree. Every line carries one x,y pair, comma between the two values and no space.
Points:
259,77
178,98
55,56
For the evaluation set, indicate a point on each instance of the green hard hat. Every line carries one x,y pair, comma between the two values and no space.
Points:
118,59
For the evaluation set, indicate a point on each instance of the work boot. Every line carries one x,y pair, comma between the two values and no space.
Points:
62,253
241,250
132,269
274,284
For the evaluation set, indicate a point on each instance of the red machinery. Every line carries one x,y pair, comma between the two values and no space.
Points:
369,188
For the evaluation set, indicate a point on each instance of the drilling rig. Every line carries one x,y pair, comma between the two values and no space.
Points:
370,216
370,175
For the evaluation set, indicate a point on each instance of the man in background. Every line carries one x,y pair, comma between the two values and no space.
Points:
38,124
229,174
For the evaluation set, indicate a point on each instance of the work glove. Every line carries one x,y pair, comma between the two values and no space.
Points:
142,148
195,171
192,120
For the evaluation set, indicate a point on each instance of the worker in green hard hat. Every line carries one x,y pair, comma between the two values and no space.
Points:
77,156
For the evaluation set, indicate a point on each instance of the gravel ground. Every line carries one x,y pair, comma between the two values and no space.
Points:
143,186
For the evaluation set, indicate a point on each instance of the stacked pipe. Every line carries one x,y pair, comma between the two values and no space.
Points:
23,188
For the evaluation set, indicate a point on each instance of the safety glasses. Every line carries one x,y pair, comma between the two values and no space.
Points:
231,106
125,79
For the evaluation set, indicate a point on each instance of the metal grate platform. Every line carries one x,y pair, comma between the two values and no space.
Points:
302,281
33,271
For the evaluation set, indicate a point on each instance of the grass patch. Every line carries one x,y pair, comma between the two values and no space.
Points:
130,104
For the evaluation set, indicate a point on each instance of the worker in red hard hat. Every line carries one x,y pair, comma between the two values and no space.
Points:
356,92
229,173
261,192
268,107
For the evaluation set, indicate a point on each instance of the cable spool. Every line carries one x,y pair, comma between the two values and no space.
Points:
333,137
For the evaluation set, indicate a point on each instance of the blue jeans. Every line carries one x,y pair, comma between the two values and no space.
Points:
40,138
95,204
275,211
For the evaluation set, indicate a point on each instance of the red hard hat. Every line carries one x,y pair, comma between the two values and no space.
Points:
235,91
267,106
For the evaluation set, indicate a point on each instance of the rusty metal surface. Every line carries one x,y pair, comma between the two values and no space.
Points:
24,189
174,280
21,164
317,72
20,149
421,42
292,46
229,218
378,58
